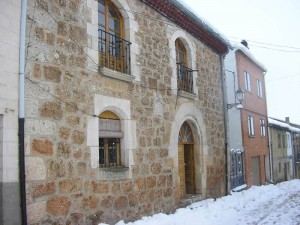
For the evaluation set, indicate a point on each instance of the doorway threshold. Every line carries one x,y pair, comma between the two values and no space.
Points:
189,199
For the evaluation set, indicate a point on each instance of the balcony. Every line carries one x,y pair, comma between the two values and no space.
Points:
184,79
114,52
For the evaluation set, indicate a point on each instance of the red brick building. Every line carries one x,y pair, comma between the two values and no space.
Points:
254,118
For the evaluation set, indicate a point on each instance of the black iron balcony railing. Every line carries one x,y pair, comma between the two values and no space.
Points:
114,52
184,78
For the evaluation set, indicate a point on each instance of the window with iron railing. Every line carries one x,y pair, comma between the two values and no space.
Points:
184,78
114,50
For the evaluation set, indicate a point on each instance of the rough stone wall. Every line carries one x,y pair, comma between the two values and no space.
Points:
62,188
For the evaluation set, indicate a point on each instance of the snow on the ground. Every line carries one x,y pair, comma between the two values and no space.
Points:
269,204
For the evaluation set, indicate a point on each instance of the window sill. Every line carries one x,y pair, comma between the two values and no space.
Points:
116,75
187,95
113,173
251,136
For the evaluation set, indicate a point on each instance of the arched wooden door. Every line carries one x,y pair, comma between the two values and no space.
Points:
186,165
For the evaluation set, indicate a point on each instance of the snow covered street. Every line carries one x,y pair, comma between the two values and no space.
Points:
270,204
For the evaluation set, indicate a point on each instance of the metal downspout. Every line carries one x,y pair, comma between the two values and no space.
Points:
22,114
271,155
225,112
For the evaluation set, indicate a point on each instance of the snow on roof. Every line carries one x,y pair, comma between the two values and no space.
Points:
246,51
283,125
206,24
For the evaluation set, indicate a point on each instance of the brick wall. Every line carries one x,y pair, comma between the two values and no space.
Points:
256,107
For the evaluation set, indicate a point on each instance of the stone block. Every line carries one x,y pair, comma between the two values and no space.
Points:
161,182
156,168
35,169
56,168
116,188
139,183
73,120
127,187
90,202
42,146
133,199
151,182
106,202
71,107
36,212
43,189
58,206
70,185
52,74
100,187
143,196
121,202
63,150
78,137
51,110
64,133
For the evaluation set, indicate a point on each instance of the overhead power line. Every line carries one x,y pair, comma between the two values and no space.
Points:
264,43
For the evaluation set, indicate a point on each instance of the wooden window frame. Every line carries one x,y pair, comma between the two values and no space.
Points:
262,127
109,135
116,55
259,89
251,126
247,78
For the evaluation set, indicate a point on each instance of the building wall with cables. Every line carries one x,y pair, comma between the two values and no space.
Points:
70,83
10,14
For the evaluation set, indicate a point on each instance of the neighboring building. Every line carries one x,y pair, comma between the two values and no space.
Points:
283,144
10,14
280,145
296,148
124,110
247,120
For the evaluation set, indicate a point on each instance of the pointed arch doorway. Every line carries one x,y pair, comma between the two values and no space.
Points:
186,162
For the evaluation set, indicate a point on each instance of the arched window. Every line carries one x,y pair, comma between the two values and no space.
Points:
114,51
185,134
184,74
109,140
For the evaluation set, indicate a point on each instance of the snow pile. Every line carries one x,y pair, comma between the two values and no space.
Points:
270,204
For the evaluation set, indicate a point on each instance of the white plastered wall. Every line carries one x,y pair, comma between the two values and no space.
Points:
193,116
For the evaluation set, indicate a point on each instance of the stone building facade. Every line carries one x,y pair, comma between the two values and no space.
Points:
107,136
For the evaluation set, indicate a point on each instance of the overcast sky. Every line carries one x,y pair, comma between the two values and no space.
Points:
266,25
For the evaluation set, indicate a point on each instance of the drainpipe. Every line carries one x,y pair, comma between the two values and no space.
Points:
225,113
271,155
22,114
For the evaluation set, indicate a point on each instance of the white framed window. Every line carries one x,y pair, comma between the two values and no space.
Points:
262,128
247,81
111,137
250,126
259,89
